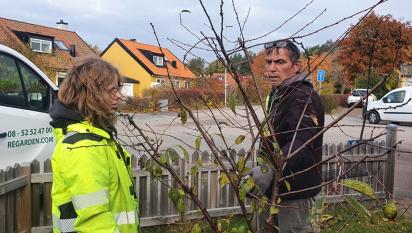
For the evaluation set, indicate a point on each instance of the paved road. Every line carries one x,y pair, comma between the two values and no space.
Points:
174,133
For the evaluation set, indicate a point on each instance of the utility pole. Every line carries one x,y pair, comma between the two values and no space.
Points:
225,78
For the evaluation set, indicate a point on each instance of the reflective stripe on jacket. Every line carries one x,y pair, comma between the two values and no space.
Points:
92,186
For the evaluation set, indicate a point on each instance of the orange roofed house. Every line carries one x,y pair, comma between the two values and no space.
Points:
54,50
144,66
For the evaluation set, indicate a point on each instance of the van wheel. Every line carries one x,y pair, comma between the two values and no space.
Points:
373,117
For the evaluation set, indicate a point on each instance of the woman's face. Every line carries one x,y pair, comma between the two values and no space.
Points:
113,93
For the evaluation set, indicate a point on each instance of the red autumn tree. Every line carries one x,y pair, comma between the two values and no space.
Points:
380,37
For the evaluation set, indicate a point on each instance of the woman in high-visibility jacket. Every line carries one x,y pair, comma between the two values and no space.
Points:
93,190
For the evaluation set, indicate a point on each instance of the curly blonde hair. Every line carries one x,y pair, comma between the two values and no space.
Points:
84,90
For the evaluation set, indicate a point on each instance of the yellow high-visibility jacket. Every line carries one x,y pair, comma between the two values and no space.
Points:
92,191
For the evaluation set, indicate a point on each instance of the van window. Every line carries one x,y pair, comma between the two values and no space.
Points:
359,93
36,89
395,97
11,90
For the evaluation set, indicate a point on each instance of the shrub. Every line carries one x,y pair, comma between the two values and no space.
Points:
333,101
190,97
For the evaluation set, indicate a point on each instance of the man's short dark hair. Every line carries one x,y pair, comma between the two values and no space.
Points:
294,53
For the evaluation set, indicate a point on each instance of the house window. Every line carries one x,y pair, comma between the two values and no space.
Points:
187,84
158,60
60,45
176,83
127,89
154,84
160,81
42,46
60,78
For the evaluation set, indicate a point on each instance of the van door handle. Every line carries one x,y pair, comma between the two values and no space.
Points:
3,135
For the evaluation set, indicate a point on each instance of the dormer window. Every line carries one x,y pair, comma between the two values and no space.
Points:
39,45
158,61
60,45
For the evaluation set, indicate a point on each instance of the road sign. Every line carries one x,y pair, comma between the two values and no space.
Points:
321,75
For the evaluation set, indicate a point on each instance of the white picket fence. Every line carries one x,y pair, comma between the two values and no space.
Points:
25,184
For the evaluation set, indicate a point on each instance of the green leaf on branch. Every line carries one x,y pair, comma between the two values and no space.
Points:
250,183
223,180
232,102
197,142
183,116
174,195
239,139
241,165
359,186
264,163
196,228
325,218
277,150
242,193
164,159
253,205
273,210
194,170
359,208
185,153
181,206
199,162
181,192
262,203
173,155
287,184
157,171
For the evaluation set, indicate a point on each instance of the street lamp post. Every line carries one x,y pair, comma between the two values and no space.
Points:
225,77
225,86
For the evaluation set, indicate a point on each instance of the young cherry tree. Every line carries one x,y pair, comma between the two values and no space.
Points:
258,132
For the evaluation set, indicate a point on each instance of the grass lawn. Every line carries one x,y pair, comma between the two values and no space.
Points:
351,223
343,216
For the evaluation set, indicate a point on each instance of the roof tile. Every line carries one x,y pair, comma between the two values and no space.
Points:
60,59
180,71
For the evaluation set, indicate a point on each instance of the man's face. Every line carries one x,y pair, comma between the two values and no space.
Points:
279,67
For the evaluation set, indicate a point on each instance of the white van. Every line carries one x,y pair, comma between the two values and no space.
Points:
26,95
396,106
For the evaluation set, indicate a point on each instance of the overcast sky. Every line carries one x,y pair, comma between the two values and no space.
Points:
100,21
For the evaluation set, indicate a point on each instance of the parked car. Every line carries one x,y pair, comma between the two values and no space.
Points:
395,106
26,95
357,94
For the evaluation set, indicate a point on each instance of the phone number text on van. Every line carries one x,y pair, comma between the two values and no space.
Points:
29,132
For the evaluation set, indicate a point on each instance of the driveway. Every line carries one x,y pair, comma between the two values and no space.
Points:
170,132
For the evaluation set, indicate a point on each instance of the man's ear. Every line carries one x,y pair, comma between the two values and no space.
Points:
297,65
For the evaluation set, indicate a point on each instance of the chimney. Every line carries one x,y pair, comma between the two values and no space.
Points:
62,25
174,64
73,50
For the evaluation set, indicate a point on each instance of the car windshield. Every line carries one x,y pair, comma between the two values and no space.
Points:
359,93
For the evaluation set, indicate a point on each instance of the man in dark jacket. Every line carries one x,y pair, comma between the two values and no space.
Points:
296,114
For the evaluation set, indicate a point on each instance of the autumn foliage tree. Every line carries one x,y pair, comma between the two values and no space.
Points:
387,37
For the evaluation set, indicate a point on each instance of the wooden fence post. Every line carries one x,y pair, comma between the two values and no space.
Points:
3,201
391,140
25,212
47,196
10,203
